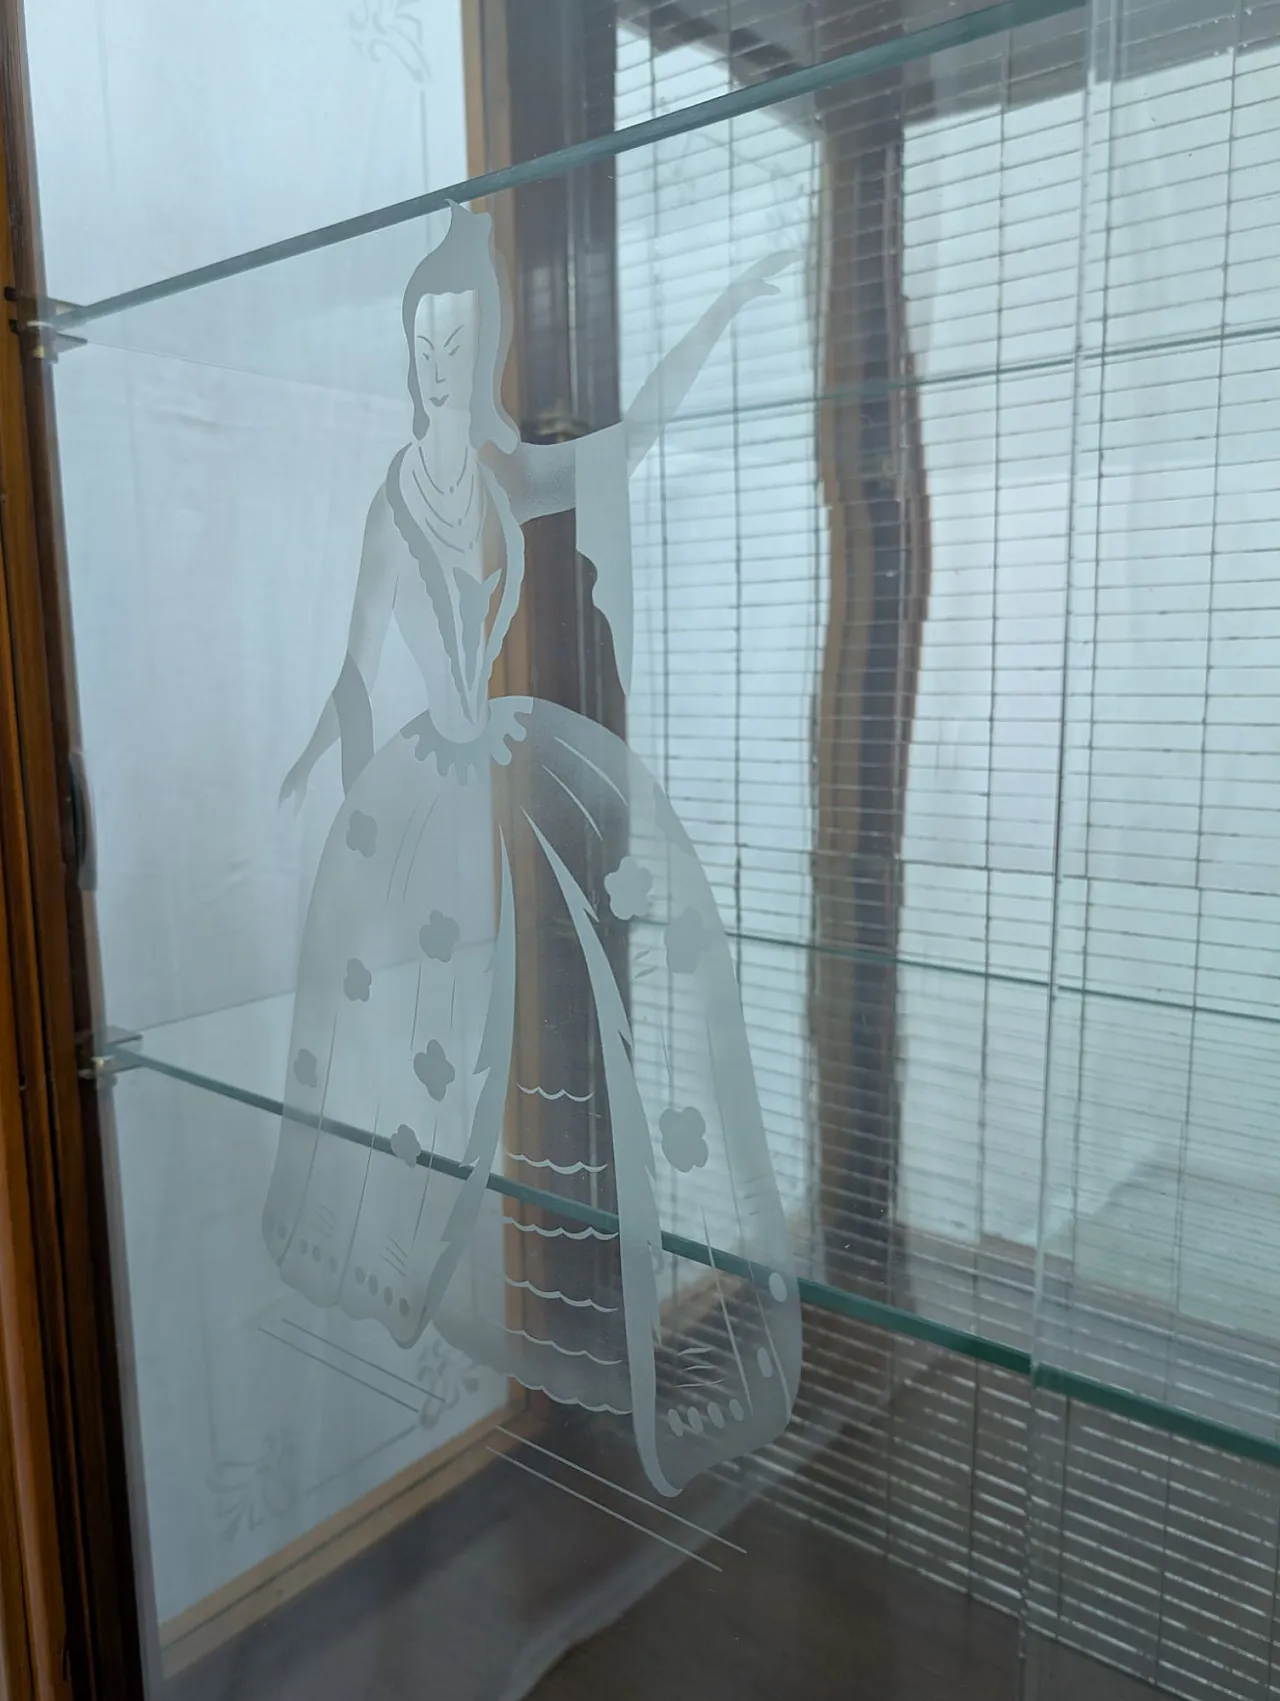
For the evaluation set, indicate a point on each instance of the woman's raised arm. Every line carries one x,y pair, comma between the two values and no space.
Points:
662,394
540,478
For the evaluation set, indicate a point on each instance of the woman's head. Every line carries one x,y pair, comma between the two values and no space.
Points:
444,348
456,328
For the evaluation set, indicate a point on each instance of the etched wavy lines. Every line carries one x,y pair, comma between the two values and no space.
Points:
559,1233
564,1298
641,964
724,1313
395,861
575,1400
610,1009
701,1376
552,1098
559,1169
587,762
565,1352
413,857
639,1226
573,797
697,1372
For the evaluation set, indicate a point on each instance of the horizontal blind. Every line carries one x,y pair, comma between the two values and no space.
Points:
729,561
1165,1054
1162,1185
1089,278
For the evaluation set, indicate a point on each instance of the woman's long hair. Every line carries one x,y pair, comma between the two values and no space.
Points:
465,260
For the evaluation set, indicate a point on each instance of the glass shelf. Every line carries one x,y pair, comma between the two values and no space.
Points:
1103,1353
943,37
322,308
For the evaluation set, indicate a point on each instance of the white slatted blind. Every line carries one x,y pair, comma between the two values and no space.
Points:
729,547
1165,1070
1093,289
992,245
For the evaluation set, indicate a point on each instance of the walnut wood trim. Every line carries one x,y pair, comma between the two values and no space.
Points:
32,1606
875,487
53,1161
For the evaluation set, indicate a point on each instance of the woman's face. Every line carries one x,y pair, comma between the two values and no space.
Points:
444,350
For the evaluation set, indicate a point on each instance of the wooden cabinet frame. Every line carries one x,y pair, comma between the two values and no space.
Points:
69,1608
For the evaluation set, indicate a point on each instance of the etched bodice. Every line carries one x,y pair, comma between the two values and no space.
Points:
456,602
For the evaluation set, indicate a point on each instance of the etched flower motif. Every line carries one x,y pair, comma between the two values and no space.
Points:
434,1070
249,1491
684,1138
439,937
629,887
306,1069
445,1375
687,937
392,27
405,1145
357,981
362,833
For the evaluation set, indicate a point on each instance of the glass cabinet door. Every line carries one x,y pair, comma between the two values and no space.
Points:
619,565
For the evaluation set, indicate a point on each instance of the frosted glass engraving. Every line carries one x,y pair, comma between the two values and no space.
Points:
477,830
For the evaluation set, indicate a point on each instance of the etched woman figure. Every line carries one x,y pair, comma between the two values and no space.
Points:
467,836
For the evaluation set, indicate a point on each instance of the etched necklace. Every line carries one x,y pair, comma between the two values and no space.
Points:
452,530
468,466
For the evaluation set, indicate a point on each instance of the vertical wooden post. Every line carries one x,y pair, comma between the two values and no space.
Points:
874,484
547,80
